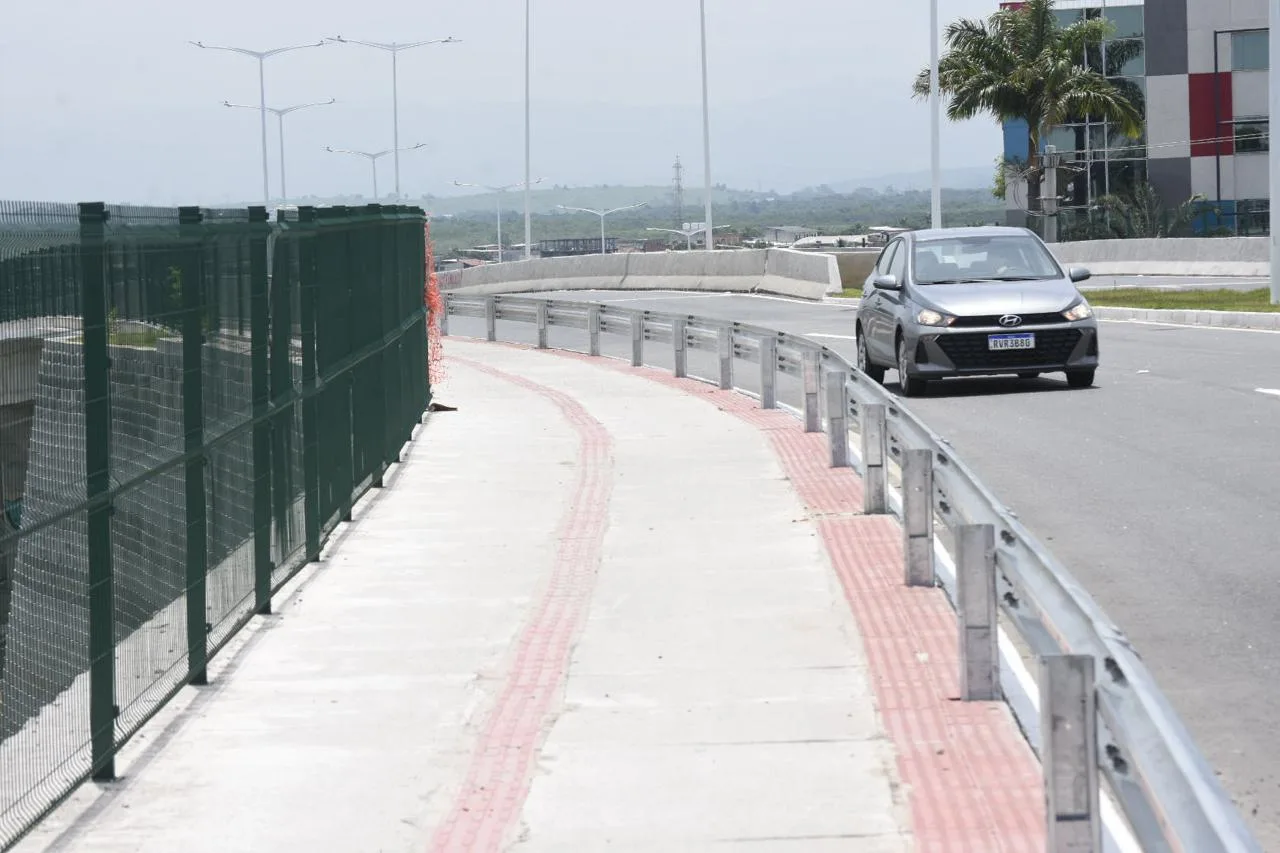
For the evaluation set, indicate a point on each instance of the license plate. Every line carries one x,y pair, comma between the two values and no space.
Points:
1000,342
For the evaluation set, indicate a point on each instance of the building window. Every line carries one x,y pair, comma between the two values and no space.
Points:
1126,58
1252,136
1127,21
1250,51
1253,217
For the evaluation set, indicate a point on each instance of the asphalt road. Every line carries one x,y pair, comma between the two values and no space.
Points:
1159,488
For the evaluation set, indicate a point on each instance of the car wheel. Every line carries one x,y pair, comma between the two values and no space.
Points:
912,386
864,361
1080,378
1030,374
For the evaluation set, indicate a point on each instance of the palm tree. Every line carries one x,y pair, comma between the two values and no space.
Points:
1022,64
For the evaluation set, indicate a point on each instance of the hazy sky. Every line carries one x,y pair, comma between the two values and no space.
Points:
108,101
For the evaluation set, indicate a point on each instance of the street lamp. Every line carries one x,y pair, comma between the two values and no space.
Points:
500,191
280,113
1274,78
528,156
706,123
935,118
394,49
687,235
602,214
373,157
262,56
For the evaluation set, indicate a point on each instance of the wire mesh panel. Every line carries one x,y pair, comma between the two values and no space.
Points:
189,400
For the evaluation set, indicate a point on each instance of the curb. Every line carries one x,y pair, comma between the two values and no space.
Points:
1213,319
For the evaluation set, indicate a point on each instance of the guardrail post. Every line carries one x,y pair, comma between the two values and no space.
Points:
769,372
917,517
260,390
838,418
490,318
197,556
593,330
725,347
444,315
976,606
679,339
637,339
812,417
541,311
875,441
1069,752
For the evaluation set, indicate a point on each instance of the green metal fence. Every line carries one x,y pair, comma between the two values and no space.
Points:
190,401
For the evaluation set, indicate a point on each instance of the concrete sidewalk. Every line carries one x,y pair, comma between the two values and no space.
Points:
589,612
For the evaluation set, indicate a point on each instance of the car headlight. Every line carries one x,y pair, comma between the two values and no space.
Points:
932,318
1079,311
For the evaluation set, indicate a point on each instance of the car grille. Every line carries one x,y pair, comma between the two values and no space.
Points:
1053,346
993,320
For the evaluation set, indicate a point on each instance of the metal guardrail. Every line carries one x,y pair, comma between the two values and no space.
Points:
1101,715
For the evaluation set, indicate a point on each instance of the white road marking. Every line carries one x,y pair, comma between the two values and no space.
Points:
836,337
1274,392
1191,326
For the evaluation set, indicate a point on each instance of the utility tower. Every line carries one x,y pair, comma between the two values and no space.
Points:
679,192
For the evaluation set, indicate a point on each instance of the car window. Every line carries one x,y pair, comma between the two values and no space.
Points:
886,258
898,266
1003,257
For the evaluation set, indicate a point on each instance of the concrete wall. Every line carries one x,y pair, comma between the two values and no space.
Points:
47,635
1205,256
806,275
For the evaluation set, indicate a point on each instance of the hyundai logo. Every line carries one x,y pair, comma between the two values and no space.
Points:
1010,320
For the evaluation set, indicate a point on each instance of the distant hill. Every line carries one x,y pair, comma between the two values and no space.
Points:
968,178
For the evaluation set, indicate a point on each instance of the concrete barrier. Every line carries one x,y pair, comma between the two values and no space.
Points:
804,275
1199,256
1216,319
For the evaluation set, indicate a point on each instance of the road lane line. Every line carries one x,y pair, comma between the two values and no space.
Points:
1274,392
1190,326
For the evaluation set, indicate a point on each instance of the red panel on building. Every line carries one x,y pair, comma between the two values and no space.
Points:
1210,109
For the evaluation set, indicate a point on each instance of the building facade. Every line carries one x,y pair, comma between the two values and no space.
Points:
1200,70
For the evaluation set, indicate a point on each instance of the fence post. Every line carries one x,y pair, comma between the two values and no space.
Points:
95,353
593,330
838,418
1069,752
812,417
197,557
875,444
259,332
541,311
679,337
725,348
768,372
444,314
637,338
490,318
976,606
917,517
307,272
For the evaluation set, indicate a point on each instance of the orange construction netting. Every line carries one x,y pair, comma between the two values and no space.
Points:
435,308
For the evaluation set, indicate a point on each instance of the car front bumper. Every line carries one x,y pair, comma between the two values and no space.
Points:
939,353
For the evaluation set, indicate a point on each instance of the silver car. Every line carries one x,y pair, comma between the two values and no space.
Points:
974,302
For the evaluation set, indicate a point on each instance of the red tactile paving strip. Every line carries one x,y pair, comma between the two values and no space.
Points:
972,782
492,796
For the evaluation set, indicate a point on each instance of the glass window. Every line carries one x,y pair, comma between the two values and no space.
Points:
1251,136
1126,58
886,258
1250,51
1253,217
1123,176
1127,21
898,266
1066,17
958,259
1069,139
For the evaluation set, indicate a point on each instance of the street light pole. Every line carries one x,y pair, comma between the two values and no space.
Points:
394,49
280,113
528,149
687,235
499,191
706,125
374,157
935,118
262,56
1274,79
602,214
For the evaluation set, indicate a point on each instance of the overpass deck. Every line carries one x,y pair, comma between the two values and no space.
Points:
594,608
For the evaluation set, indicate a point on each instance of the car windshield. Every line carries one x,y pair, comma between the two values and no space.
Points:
960,260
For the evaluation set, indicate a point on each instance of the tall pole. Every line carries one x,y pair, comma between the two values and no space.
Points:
603,213
395,117
706,126
499,195
373,165
262,109
284,190
280,113
604,250
1274,79
935,118
500,191
373,157
528,149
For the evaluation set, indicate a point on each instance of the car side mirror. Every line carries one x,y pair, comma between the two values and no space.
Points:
886,282
1079,274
